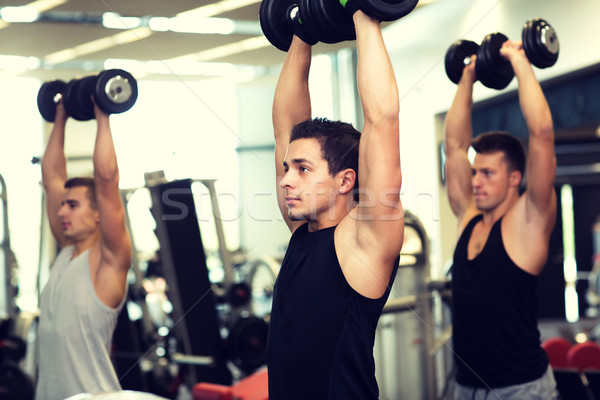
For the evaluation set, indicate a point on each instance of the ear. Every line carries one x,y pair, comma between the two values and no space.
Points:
346,179
97,216
515,178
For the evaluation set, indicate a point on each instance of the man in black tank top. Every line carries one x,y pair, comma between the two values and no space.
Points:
342,256
503,244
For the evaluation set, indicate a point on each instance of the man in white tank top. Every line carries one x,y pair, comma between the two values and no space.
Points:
86,289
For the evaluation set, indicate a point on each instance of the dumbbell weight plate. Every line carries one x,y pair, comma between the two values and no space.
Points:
307,10
540,43
494,70
115,91
333,17
71,102
457,56
47,98
83,93
387,10
247,342
530,46
276,21
547,40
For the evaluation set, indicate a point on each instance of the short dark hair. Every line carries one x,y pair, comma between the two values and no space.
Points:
513,149
339,143
86,182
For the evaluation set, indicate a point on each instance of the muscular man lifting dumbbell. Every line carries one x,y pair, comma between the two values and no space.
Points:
343,253
540,44
503,244
86,288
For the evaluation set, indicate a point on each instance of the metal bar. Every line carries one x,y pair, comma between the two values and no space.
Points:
400,304
180,358
148,325
225,254
169,270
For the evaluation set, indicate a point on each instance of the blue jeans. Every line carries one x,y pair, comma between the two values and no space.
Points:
543,388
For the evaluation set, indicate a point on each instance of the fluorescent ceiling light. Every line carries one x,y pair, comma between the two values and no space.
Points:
10,62
98,45
38,6
115,21
159,24
19,14
222,26
45,5
227,50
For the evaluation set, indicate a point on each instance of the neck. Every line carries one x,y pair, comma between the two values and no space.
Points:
331,217
83,245
493,215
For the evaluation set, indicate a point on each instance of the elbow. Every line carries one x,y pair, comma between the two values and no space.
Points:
544,132
106,174
545,126
389,116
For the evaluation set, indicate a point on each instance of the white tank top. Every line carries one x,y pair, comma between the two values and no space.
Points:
74,332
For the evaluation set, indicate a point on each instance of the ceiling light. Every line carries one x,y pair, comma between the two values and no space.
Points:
116,21
229,49
222,26
98,45
159,24
45,5
19,14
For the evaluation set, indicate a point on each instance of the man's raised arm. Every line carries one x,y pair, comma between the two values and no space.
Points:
291,105
458,135
541,160
380,219
54,173
115,245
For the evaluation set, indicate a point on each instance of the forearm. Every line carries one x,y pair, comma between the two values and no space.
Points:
458,126
105,158
291,103
376,80
533,102
54,163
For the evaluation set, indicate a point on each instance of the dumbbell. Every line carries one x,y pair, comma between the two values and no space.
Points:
276,19
115,91
540,44
325,20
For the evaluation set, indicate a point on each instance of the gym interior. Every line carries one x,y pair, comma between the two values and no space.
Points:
197,181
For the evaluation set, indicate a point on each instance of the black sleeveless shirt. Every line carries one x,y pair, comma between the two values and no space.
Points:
494,316
321,333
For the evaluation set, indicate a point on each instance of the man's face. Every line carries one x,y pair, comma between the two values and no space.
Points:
309,188
490,180
78,218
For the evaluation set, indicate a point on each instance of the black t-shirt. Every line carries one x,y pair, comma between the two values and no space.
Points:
494,316
321,333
